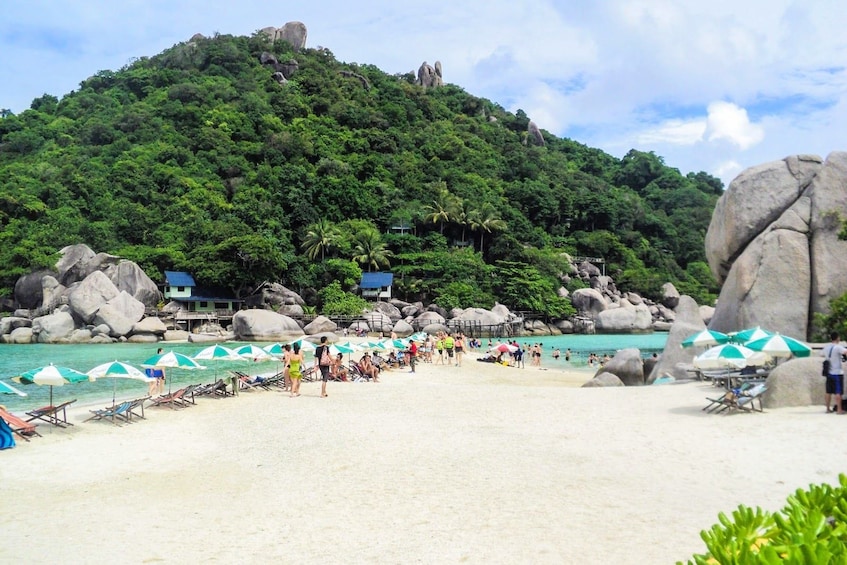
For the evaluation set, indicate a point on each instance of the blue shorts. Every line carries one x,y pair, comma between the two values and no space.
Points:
835,384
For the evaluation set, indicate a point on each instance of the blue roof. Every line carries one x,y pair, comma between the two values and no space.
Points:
179,278
376,280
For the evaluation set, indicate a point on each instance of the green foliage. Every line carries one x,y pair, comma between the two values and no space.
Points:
334,301
811,528
459,294
197,159
835,321
523,287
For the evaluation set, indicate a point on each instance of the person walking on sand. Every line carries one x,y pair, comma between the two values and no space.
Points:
439,349
449,344
286,362
323,361
834,353
459,346
294,364
157,386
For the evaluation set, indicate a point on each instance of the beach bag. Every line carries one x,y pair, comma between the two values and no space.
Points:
325,361
825,371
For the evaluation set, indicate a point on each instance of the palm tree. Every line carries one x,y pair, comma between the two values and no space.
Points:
320,238
486,219
371,250
442,208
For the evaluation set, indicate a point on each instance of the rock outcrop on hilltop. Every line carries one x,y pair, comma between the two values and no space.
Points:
773,244
294,33
429,76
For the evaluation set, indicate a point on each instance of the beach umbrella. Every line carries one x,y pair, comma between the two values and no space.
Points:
253,352
399,343
727,356
51,375
750,334
705,338
504,348
780,346
275,350
117,370
375,345
174,360
419,336
6,388
217,353
305,344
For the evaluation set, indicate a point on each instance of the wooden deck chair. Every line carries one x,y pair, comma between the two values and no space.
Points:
136,408
747,399
114,414
174,400
20,426
55,415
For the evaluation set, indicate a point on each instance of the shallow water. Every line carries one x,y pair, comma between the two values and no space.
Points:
17,359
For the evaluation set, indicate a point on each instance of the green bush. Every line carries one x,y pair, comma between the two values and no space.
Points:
338,302
811,528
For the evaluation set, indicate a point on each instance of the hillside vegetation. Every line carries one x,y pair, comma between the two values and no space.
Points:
197,159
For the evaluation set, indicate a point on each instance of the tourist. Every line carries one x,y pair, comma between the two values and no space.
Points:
556,354
323,362
568,354
449,344
834,353
412,354
286,361
439,349
459,346
294,369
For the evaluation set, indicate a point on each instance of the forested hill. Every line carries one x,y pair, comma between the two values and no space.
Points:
198,159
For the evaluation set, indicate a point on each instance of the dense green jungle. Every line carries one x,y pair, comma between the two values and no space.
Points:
198,159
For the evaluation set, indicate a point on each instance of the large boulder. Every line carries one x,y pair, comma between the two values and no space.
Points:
52,292
29,289
670,296
320,324
128,276
627,366
388,309
403,329
429,76
72,266
588,302
53,328
797,382
150,325
19,335
86,298
429,317
294,33
778,222
675,358
627,318
10,323
378,322
603,379
120,313
264,325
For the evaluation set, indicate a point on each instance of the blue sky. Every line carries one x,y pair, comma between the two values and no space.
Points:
714,86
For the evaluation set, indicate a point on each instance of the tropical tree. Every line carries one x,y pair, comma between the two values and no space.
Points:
442,208
320,238
371,250
486,219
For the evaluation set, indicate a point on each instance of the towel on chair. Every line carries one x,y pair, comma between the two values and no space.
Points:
7,437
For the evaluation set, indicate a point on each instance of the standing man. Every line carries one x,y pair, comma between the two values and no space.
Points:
413,354
323,361
448,348
834,353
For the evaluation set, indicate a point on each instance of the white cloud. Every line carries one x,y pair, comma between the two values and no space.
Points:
728,121
677,132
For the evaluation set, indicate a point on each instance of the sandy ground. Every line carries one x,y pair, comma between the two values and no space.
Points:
483,464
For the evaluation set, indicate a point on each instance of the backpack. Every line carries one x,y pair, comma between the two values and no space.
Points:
325,360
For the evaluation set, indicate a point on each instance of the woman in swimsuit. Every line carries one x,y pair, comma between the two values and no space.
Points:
294,369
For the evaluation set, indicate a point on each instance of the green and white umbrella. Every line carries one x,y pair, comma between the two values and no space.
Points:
705,338
174,360
217,353
276,349
6,388
305,344
780,346
118,370
343,347
750,334
51,375
727,356
254,352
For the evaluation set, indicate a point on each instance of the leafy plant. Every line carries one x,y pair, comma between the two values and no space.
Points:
811,528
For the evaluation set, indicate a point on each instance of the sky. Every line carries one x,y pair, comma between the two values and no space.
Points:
715,86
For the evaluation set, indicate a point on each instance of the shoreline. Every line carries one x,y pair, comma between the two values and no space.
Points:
481,464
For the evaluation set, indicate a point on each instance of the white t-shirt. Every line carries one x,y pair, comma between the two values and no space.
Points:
833,352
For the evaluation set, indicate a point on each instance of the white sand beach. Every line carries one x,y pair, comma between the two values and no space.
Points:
483,464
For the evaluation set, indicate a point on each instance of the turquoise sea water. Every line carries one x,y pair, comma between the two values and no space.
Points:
17,359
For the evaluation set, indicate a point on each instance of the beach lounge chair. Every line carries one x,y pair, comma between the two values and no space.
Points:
217,389
136,408
20,426
747,399
174,400
310,374
113,414
55,415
